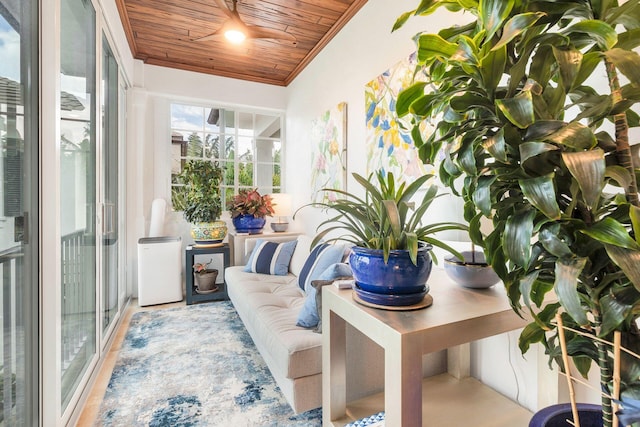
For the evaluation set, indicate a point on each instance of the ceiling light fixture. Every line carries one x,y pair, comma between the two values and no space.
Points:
234,35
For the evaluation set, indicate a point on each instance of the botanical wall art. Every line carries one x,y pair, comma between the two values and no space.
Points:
329,153
388,138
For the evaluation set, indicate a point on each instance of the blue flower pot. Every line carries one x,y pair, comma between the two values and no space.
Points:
248,224
397,283
556,415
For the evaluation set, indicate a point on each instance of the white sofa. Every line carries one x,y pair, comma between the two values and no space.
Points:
269,307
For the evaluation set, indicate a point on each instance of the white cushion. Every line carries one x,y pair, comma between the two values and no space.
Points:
300,254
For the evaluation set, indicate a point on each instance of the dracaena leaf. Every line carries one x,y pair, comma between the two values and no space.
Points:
516,25
567,272
588,168
433,46
482,194
614,312
496,146
492,14
518,110
601,32
628,62
619,174
634,214
529,150
628,260
492,68
541,193
407,96
611,232
553,244
574,135
516,240
569,60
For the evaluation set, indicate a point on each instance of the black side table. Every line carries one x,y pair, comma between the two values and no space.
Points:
192,295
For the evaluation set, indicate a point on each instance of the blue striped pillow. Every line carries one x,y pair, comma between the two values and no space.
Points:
270,257
321,257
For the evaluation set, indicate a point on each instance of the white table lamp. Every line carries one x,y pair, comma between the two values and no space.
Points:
283,207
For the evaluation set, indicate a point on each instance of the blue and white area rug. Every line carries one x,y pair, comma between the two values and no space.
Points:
194,366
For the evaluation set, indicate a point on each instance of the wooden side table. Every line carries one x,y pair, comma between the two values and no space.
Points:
190,253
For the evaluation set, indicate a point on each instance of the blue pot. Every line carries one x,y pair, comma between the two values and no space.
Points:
556,415
398,277
248,224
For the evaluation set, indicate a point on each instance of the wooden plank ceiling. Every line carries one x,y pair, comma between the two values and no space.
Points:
163,32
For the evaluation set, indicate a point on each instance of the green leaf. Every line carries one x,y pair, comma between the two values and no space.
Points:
482,195
614,312
611,232
619,174
590,61
541,193
529,150
526,285
574,135
567,272
432,46
532,333
553,244
634,215
628,261
600,32
467,51
516,240
407,96
496,146
628,62
518,110
569,60
515,26
492,68
543,128
492,14
402,20
588,168
629,39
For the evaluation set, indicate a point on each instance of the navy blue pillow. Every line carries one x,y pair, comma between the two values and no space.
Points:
270,257
320,258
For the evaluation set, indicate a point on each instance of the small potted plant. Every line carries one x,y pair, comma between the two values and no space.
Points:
202,205
205,277
391,260
248,211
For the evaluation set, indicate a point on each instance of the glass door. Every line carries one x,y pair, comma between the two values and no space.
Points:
18,212
110,128
78,199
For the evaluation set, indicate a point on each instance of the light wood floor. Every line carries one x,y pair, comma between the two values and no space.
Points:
92,405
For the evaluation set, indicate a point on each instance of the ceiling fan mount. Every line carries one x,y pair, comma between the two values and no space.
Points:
235,26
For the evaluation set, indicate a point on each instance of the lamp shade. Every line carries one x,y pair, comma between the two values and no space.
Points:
282,204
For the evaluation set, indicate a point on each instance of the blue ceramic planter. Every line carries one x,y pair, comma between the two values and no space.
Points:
248,224
556,416
398,282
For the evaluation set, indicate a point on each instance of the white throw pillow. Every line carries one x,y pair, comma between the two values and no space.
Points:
300,254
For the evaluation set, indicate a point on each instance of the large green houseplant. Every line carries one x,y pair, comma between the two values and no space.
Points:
533,142
202,202
386,227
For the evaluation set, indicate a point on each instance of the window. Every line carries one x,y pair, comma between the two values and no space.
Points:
247,145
